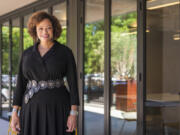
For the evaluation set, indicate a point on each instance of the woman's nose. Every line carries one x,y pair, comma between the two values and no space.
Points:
45,30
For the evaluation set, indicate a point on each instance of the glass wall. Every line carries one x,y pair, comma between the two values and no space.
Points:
94,68
162,67
5,91
59,11
123,67
15,51
28,41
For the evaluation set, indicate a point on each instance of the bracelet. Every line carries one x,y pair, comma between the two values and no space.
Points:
74,112
15,110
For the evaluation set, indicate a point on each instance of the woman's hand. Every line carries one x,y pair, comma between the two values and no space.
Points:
15,123
71,123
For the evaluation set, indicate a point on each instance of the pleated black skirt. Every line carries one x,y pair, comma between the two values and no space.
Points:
46,113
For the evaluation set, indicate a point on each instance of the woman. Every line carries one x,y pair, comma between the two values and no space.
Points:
47,107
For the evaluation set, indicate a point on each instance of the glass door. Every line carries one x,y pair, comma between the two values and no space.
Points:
5,91
15,54
162,104
123,67
60,11
94,68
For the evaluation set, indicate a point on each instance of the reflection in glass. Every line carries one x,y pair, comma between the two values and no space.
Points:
94,68
15,50
162,66
123,67
60,12
28,41
5,70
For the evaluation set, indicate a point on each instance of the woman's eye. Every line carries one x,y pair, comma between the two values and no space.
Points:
40,29
49,28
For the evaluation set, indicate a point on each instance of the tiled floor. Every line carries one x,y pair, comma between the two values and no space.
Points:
3,127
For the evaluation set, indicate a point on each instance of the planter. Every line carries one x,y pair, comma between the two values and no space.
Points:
126,96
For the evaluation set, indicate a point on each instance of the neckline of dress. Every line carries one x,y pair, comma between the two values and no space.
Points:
50,49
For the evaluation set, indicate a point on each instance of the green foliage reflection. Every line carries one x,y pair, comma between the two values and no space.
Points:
123,46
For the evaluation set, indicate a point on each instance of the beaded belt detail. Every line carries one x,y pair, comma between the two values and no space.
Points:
33,87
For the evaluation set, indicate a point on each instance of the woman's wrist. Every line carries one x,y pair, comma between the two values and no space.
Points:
15,110
74,112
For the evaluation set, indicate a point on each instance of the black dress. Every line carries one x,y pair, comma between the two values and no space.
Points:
47,111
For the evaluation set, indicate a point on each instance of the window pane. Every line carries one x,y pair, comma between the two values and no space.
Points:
5,70
60,12
28,41
94,68
162,66
15,50
123,67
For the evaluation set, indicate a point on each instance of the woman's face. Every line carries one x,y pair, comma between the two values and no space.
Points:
44,30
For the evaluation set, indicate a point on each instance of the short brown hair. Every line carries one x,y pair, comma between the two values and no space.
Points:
37,17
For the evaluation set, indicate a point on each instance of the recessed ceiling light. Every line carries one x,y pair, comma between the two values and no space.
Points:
147,30
176,36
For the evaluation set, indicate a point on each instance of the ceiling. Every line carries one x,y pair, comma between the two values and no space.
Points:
7,6
160,11
96,6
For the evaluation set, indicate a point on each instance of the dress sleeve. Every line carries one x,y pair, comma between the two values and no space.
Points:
72,78
20,85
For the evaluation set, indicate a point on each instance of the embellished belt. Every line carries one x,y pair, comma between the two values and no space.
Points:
33,87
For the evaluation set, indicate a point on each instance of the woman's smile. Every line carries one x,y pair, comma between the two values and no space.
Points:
44,30
45,36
